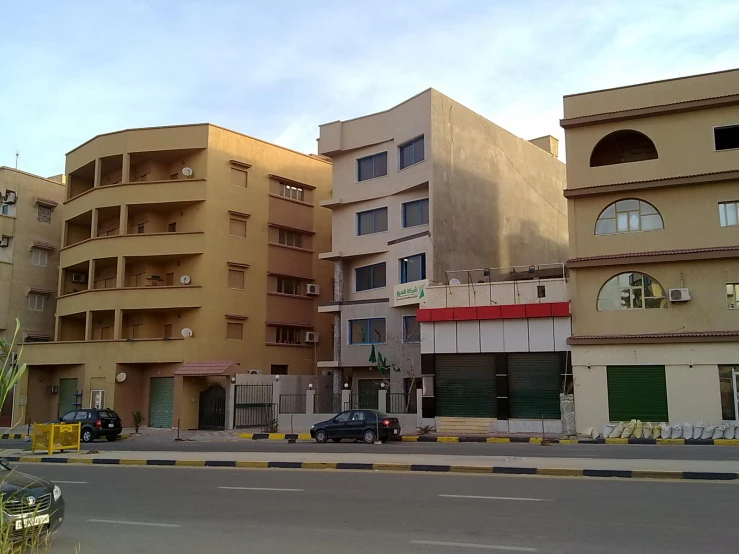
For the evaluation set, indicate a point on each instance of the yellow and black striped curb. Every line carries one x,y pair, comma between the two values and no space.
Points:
13,436
505,440
396,467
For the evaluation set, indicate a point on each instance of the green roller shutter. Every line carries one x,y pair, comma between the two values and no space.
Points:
161,402
534,381
637,392
465,385
67,395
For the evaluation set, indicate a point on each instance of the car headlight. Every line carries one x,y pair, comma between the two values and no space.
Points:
57,493
312,426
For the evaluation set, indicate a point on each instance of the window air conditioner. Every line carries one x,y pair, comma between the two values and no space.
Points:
679,295
10,197
311,336
79,278
312,290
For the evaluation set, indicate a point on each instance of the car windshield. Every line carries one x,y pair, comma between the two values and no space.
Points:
108,413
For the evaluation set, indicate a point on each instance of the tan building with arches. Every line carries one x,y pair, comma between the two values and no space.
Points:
653,202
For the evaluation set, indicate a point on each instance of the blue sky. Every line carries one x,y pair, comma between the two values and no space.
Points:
277,69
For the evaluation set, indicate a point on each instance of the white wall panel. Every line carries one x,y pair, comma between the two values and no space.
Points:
562,331
541,334
468,337
516,335
491,336
445,337
427,338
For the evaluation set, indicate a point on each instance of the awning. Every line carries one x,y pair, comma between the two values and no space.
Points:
207,368
43,245
47,202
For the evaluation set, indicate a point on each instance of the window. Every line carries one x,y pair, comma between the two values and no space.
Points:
172,228
276,369
5,209
291,238
413,268
631,291
370,277
726,138
732,292
289,191
411,152
372,221
358,416
342,418
541,291
36,302
416,213
140,228
621,147
728,214
238,178
234,331
628,216
288,335
367,331
44,214
288,286
411,329
237,228
132,331
39,257
236,279
168,330
372,166
726,376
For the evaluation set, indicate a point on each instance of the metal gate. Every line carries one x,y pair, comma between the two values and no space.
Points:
67,395
161,402
253,406
465,385
212,409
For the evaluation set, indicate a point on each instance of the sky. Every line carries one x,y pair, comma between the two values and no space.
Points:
276,69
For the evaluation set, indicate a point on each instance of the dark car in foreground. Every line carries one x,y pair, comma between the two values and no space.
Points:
365,425
32,506
95,423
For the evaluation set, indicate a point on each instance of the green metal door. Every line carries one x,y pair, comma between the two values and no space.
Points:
534,381
637,392
161,402
465,385
67,395
368,394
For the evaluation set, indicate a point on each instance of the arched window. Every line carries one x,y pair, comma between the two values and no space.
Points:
631,291
628,216
622,147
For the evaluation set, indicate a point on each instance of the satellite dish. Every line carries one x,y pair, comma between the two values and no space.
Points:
186,332
120,377
185,279
187,171
455,281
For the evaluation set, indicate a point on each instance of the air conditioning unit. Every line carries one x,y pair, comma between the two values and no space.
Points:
312,290
679,295
311,336
254,372
10,197
4,242
79,278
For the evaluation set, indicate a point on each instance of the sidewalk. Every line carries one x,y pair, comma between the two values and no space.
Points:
726,470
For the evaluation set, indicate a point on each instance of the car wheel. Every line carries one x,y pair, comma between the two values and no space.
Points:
336,440
111,438
87,435
321,436
369,436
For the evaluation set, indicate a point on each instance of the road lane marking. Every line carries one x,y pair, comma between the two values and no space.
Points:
142,523
260,489
496,498
480,546
71,482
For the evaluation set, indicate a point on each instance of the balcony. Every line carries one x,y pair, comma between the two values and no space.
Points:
290,309
144,244
122,351
140,298
7,226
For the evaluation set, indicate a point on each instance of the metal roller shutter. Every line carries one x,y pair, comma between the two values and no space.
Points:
534,381
465,385
637,392
161,402
67,398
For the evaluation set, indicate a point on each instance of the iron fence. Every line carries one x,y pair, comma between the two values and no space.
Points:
292,403
401,403
363,401
327,403
253,406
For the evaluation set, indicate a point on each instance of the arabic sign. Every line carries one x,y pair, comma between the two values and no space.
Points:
409,293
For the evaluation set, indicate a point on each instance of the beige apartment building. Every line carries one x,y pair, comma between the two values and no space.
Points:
421,189
653,193
189,259
30,238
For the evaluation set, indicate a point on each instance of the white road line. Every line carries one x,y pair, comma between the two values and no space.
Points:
480,546
260,489
71,482
497,498
142,523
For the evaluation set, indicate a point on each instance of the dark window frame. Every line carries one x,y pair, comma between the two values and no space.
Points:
372,278
404,263
408,338
368,321
411,147
416,204
374,214
375,174
733,140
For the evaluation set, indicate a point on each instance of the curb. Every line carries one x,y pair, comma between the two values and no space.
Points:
13,436
414,468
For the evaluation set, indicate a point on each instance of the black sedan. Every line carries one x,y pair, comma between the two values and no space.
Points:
365,425
95,423
32,506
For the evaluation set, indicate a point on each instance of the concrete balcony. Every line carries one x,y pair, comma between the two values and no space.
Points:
138,298
7,226
150,192
123,351
153,244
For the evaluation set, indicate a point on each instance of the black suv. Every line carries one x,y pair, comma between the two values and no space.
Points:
95,423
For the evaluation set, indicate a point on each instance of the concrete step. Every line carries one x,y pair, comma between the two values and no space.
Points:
463,425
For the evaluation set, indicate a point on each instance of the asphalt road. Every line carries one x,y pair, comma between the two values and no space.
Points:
624,452
130,510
